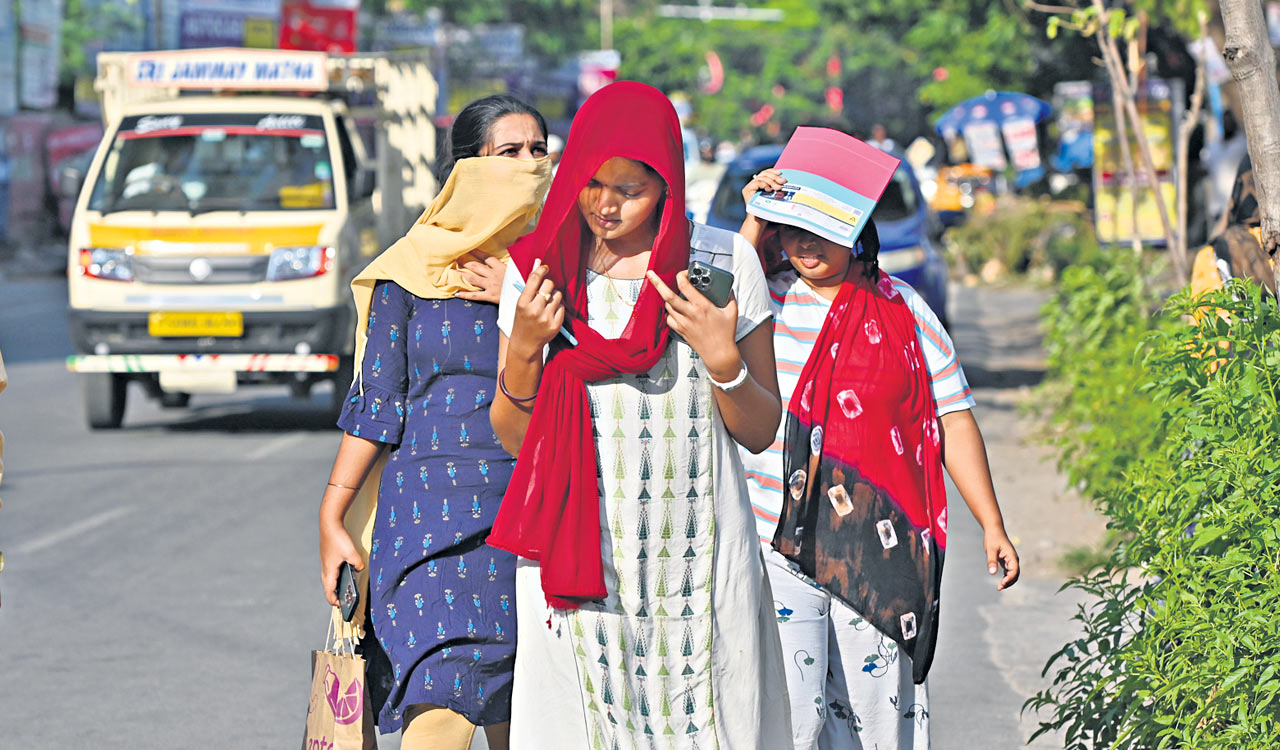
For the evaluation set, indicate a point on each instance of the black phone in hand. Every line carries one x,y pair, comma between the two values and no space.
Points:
716,284
348,592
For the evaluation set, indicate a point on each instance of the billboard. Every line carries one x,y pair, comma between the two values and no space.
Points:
322,25
228,23
1159,108
40,26
8,61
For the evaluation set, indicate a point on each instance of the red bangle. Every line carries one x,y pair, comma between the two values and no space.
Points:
502,383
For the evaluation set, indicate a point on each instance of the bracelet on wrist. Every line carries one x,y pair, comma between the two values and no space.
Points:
502,384
343,486
734,384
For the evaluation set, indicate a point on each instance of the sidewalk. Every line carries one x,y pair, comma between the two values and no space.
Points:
977,698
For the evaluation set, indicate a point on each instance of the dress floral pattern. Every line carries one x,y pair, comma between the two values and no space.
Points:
441,600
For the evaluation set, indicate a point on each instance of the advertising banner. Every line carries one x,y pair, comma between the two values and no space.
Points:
1159,107
8,60
1020,139
229,23
1073,101
40,26
323,25
983,141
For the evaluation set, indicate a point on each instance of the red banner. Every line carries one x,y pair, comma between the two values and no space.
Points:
322,25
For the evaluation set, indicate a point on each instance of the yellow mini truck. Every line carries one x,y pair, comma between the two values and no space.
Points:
222,218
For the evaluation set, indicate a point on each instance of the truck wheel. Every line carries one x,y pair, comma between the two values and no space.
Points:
104,397
342,378
175,400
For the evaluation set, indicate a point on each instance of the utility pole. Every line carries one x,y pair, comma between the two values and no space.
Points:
606,24
707,12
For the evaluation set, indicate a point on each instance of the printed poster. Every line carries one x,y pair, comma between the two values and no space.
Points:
8,61
40,26
982,138
1020,139
1159,106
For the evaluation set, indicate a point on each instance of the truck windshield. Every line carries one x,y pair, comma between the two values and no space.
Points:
216,162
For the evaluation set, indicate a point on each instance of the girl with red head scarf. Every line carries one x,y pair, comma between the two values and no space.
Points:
644,611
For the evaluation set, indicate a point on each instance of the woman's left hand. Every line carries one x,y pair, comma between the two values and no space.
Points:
488,276
708,329
1001,554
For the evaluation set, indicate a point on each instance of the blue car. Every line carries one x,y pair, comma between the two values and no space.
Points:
907,230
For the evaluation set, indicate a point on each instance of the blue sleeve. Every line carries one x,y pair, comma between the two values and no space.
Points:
375,406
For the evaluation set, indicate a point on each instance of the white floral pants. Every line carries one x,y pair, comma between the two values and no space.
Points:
850,687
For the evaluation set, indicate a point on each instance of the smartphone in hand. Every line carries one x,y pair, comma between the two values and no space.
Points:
348,592
716,284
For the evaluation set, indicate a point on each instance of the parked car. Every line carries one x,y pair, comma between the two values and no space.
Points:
908,232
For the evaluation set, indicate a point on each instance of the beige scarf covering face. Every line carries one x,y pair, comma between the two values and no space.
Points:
487,203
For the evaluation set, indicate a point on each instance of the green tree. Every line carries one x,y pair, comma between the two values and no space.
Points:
940,52
87,24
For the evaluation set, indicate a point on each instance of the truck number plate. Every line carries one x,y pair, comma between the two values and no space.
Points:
188,324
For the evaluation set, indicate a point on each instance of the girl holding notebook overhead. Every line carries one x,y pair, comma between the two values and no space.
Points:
850,501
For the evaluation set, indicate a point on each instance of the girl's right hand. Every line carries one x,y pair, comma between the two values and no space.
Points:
539,314
336,548
767,180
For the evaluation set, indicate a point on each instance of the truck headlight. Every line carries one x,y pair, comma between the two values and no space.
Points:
106,263
301,262
896,261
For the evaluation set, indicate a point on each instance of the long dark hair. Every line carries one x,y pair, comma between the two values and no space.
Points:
868,250
470,131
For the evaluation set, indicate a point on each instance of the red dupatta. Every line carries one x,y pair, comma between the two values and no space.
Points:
551,510
864,511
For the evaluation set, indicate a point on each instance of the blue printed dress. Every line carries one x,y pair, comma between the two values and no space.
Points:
442,602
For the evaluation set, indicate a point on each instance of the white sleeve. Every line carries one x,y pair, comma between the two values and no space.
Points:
512,285
750,287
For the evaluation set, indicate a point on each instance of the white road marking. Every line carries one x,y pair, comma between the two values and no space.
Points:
267,449
74,530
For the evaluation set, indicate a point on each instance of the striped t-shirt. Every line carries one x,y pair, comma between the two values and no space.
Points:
798,315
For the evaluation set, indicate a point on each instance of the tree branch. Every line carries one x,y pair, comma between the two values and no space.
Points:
1050,9
1112,52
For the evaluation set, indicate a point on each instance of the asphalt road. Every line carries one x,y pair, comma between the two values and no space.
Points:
161,588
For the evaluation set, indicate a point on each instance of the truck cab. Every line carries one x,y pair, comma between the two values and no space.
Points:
213,244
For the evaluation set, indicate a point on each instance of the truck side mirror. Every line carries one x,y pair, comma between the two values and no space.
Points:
70,181
363,185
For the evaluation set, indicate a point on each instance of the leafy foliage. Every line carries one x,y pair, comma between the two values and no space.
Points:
900,61
1179,645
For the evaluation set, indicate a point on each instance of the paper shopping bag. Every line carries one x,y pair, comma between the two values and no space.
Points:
337,716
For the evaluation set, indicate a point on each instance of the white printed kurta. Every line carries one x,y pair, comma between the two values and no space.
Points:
682,653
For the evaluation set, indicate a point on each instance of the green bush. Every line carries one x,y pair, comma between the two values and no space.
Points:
1025,236
1101,419
1181,643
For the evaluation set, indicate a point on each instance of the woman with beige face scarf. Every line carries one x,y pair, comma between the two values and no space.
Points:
418,446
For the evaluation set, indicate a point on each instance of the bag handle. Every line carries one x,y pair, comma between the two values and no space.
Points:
335,640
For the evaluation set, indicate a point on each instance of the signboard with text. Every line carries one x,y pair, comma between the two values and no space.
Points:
230,69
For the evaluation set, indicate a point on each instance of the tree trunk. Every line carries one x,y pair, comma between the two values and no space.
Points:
1253,65
1115,67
